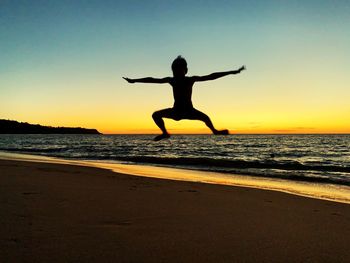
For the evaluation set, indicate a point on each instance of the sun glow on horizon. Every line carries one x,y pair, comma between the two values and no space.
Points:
62,64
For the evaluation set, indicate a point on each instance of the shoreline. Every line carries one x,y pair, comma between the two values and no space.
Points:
329,192
59,213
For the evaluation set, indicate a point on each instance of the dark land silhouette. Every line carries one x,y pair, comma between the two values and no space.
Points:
15,127
182,91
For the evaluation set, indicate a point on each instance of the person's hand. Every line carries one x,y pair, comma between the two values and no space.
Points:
242,68
129,80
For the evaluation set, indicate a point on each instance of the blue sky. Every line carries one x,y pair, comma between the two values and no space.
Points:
64,57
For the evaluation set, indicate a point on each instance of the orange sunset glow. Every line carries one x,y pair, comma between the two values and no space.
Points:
297,60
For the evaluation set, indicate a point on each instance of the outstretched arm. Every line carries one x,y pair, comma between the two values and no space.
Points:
148,80
217,75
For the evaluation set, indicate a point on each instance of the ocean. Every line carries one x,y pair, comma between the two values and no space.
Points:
321,159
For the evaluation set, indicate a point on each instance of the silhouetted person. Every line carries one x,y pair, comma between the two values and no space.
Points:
182,91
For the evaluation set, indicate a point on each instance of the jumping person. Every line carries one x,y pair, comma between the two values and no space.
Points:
182,92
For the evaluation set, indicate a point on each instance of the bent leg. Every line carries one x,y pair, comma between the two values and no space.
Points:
198,115
158,119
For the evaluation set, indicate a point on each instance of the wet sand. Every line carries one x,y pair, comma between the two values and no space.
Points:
67,213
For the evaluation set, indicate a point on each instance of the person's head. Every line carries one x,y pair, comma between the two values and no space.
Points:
179,67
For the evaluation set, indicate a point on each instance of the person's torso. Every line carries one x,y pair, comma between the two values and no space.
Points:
182,91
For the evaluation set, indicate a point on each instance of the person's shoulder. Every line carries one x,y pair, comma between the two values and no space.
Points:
191,78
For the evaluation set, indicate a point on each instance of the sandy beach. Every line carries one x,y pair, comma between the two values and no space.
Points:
66,213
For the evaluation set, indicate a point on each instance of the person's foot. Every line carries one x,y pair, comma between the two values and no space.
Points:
222,132
161,137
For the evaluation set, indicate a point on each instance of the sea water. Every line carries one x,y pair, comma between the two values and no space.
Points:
322,159
310,165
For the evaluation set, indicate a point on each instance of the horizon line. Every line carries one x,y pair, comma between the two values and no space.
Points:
320,133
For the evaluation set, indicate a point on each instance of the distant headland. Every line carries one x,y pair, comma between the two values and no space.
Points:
15,127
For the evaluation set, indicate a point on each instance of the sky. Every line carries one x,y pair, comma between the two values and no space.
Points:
62,63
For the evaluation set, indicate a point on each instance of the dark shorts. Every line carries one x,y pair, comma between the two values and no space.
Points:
182,113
